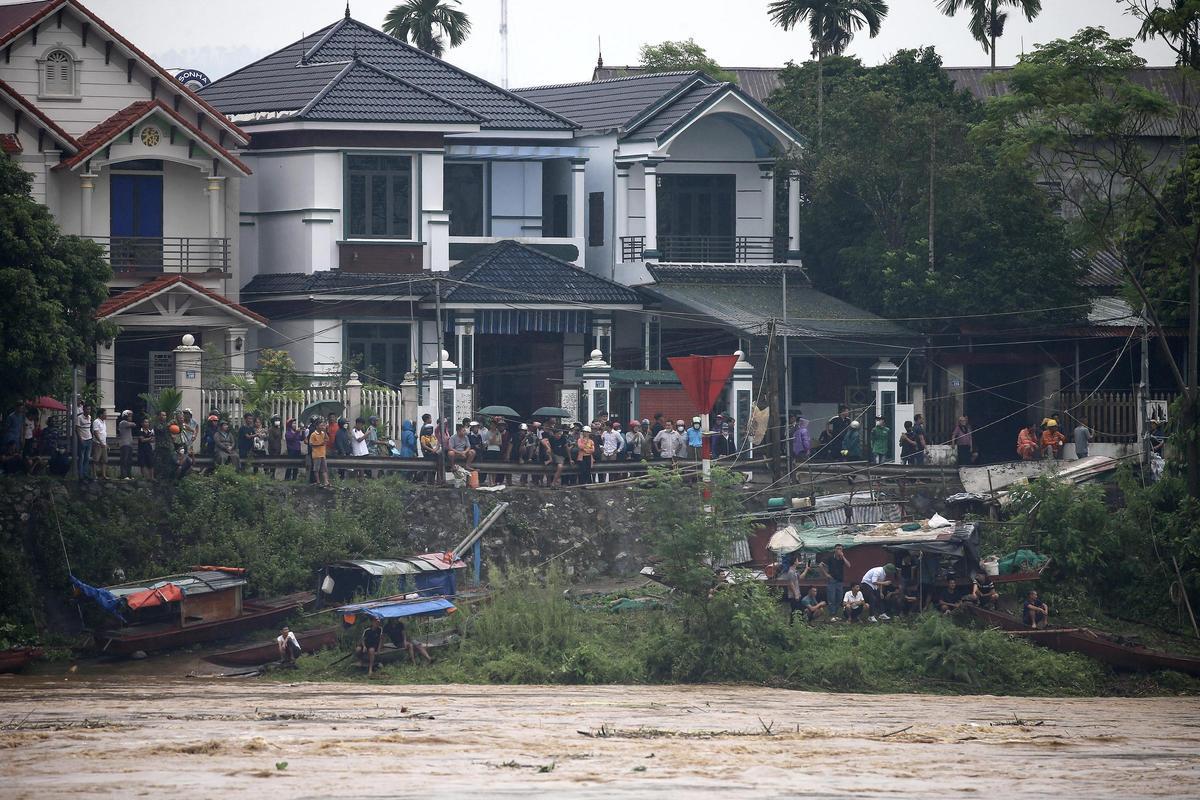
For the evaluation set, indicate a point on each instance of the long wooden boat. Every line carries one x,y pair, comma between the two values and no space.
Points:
14,659
1128,657
147,637
258,653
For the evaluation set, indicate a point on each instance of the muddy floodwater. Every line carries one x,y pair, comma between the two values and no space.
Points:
220,738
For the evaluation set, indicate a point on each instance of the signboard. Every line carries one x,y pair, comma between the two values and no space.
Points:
1156,410
194,79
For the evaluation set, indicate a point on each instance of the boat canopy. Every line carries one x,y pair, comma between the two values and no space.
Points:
949,539
188,583
412,565
393,609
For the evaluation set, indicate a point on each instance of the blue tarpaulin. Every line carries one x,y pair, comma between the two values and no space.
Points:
435,607
101,597
433,583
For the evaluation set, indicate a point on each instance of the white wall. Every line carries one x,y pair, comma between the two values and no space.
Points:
294,200
516,202
314,344
600,176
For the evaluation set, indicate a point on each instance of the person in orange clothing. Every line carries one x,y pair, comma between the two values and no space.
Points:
587,452
1027,444
1052,440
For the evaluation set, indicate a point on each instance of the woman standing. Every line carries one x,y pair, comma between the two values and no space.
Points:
964,441
587,452
291,439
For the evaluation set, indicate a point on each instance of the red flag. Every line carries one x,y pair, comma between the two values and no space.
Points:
703,377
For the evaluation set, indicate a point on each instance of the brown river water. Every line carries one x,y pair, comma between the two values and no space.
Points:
129,736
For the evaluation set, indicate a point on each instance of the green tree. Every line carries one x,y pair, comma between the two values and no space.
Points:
831,27
988,18
428,24
275,379
682,56
898,170
51,286
1112,145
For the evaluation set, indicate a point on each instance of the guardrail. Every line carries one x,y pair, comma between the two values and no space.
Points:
165,253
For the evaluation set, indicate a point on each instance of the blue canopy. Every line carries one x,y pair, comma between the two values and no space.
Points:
435,607
102,597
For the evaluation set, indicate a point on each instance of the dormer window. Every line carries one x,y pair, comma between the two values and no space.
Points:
59,75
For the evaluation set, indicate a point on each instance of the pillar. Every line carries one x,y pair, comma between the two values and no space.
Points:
793,248
741,397
440,395
596,386
216,207
437,226
885,384
767,173
620,212
955,380
353,398
235,350
409,396
1051,385
87,187
188,376
106,381
464,350
650,251
602,328
578,199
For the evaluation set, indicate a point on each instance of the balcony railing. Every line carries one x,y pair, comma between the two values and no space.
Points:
713,249
165,253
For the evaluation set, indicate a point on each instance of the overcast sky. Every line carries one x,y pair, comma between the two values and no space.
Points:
555,41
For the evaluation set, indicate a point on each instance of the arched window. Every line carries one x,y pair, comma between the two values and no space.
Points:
58,74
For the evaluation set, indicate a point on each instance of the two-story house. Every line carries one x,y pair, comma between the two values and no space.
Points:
392,189
123,154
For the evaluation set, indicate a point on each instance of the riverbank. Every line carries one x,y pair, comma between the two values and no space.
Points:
222,738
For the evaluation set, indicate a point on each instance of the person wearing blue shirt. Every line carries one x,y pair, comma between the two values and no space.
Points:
695,440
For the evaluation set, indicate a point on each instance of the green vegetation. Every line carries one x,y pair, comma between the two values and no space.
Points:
682,56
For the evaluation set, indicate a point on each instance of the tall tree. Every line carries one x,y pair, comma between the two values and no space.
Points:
682,56
50,288
831,27
988,18
428,24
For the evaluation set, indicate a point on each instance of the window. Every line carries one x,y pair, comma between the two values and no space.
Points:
380,353
379,197
596,219
58,74
464,198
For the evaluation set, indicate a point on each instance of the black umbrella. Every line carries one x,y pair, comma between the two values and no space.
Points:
550,411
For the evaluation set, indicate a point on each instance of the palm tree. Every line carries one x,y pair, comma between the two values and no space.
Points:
987,20
831,26
428,24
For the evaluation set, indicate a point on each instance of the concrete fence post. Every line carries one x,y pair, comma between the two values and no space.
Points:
353,397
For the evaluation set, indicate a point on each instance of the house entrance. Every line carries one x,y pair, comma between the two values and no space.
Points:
996,399
697,217
524,372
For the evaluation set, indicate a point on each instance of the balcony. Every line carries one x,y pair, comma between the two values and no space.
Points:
709,249
186,254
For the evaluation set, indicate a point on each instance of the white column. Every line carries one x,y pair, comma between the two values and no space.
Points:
650,253
106,383
216,207
409,394
595,373
620,211
353,397
437,227
768,205
435,389
742,390
235,349
578,199
885,383
188,377
87,187
793,248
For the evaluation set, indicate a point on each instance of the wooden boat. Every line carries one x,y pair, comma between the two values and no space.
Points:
258,653
14,659
1118,655
390,654
205,605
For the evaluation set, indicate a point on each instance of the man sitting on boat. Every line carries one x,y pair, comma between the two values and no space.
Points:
396,632
983,591
289,646
372,640
1036,612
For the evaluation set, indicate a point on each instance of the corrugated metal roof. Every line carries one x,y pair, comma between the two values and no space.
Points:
276,82
511,272
1114,312
609,104
1103,271
190,583
432,562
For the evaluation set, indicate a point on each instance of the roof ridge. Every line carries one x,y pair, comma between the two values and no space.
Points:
668,99
641,76
327,88
393,76
272,54
42,117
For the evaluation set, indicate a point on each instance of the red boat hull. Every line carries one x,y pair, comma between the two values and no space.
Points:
265,652
148,638
14,660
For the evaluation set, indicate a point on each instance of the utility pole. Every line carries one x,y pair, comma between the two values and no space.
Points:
787,369
441,394
932,162
1143,397
504,44
772,369
72,420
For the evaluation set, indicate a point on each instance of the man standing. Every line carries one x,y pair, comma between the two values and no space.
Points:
881,440
560,453
877,583
1083,438
669,442
964,441
841,421
695,440
125,429
245,440
372,639
100,444
635,441
918,433
191,427
317,444
835,565
83,432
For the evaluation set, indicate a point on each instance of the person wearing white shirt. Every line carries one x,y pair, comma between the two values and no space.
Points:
854,604
877,583
83,433
100,444
289,646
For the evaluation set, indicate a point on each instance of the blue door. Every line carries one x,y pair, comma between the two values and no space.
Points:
136,221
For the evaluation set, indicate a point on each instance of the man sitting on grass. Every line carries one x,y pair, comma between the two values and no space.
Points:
855,604
289,646
1036,612
813,607
948,598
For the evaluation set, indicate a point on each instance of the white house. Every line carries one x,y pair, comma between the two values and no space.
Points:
123,154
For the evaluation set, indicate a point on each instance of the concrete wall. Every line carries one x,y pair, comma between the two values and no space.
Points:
516,198
292,213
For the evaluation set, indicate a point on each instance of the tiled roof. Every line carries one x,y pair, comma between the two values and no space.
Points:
610,104
685,104
9,143
263,288
44,9
510,272
101,135
758,82
17,99
362,91
256,87
12,16
137,294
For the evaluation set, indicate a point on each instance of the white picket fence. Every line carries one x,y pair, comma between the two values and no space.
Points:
387,404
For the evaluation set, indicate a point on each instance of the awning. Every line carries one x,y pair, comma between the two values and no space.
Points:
508,321
436,607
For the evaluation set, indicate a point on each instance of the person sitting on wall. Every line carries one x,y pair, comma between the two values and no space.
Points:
948,597
1027,443
1035,613
1052,440
459,448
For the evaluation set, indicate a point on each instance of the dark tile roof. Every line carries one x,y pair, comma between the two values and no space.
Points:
253,87
610,104
363,92
510,272
264,288
758,82
685,104
12,16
